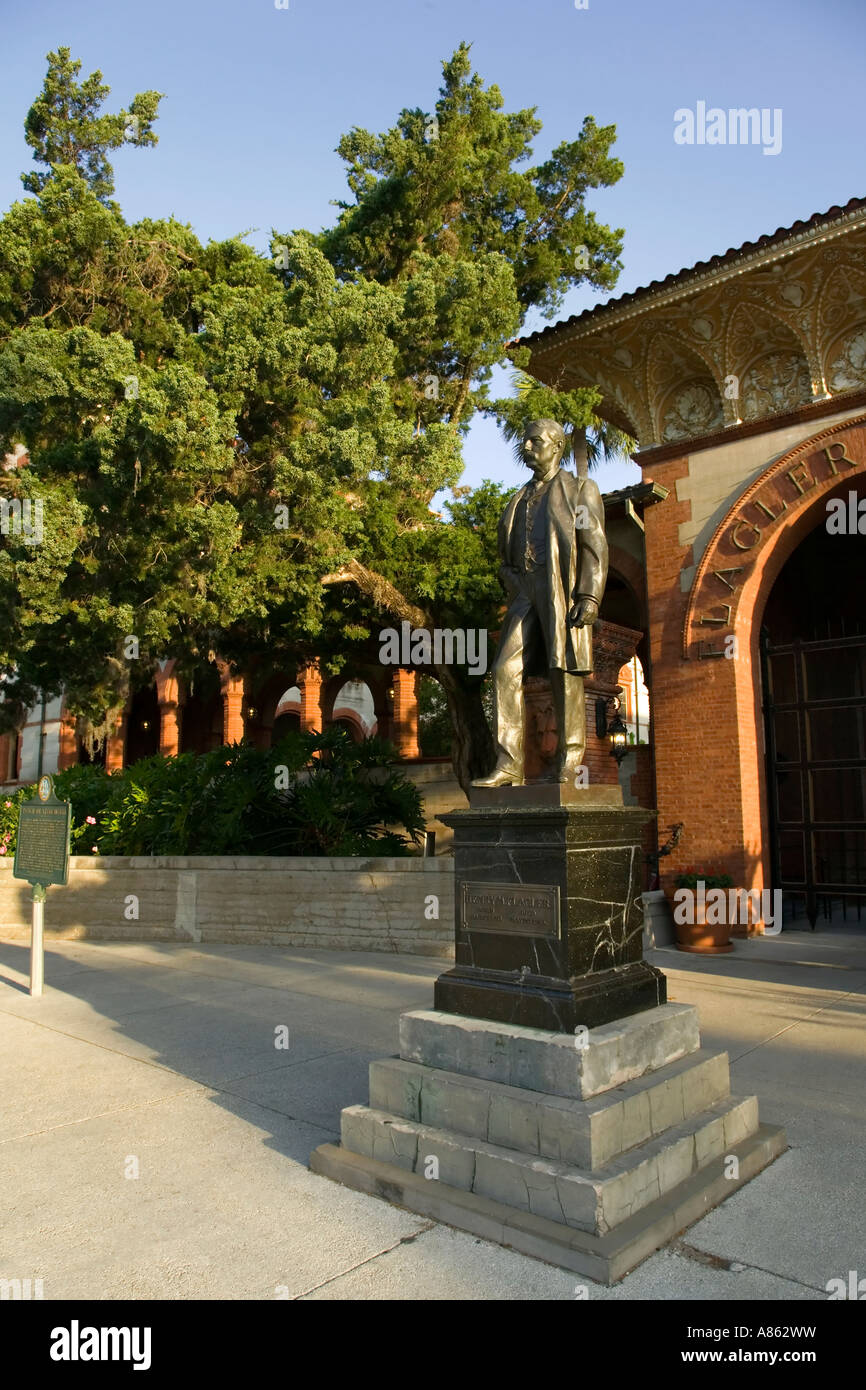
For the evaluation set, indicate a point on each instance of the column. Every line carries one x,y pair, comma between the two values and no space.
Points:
169,696
539,741
613,647
232,689
406,685
115,744
310,686
7,748
67,753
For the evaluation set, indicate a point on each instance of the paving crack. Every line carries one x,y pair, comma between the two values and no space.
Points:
102,1114
403,1240
738,1266
795,1024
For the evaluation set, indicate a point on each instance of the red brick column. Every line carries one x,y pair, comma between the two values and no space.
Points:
115,744
642,777
613,647
168,694
539,737
642,786
6,747
232,688
682,721
406,685
67,754
310,686
704,725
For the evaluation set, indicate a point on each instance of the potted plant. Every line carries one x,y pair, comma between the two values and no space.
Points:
701,914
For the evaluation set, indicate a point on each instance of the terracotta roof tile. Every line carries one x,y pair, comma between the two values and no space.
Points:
700,268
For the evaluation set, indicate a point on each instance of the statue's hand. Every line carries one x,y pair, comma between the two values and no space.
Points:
510,580
583,613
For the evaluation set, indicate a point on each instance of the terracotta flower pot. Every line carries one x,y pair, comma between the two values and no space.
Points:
702,937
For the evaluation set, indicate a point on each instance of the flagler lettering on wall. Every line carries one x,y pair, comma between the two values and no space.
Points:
756,516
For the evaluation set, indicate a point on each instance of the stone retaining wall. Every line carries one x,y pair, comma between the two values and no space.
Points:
341,904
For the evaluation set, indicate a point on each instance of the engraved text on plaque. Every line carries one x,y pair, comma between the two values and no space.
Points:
523,909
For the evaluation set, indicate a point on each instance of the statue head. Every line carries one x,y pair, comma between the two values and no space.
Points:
543,446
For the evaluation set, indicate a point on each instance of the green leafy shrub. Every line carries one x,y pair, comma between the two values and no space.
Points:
348,800
708,880
312,794
87,787
152,807
9,808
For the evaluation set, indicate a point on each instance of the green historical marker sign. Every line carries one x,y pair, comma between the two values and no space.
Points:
42,852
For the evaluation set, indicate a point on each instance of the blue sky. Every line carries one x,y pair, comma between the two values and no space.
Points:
257,98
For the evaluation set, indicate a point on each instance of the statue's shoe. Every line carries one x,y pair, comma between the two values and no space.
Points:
501,777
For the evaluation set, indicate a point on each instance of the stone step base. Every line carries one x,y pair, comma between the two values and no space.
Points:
535,1059
586,1134
605,1259
595,1201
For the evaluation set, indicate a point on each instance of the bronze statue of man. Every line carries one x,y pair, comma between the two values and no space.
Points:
554,566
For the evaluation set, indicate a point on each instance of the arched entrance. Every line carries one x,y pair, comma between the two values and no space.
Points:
201,729
287,715
708,707
813,646
142,728
354,710
361,701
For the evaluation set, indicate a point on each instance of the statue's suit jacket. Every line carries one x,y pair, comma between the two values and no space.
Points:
576,565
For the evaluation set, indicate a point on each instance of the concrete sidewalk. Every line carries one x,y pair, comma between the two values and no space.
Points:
160,1061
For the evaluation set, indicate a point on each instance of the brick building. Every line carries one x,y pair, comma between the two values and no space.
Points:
744,381
222,706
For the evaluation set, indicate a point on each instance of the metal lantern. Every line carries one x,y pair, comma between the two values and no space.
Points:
618,735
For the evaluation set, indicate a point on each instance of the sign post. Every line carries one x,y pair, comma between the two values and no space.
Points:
37,944
42,858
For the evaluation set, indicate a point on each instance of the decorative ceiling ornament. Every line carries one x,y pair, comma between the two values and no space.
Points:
702,328
623,403
695,410
777,382
787,314
849,370
843,299
671,361
756,331
793,293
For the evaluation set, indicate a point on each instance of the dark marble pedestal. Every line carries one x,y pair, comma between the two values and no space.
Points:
547,909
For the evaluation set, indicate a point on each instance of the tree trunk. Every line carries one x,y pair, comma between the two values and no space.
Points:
472,750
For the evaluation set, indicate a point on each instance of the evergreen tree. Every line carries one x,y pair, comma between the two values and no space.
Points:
64,125
442,214
236,454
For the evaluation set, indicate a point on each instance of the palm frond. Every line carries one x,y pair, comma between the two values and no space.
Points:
591,440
